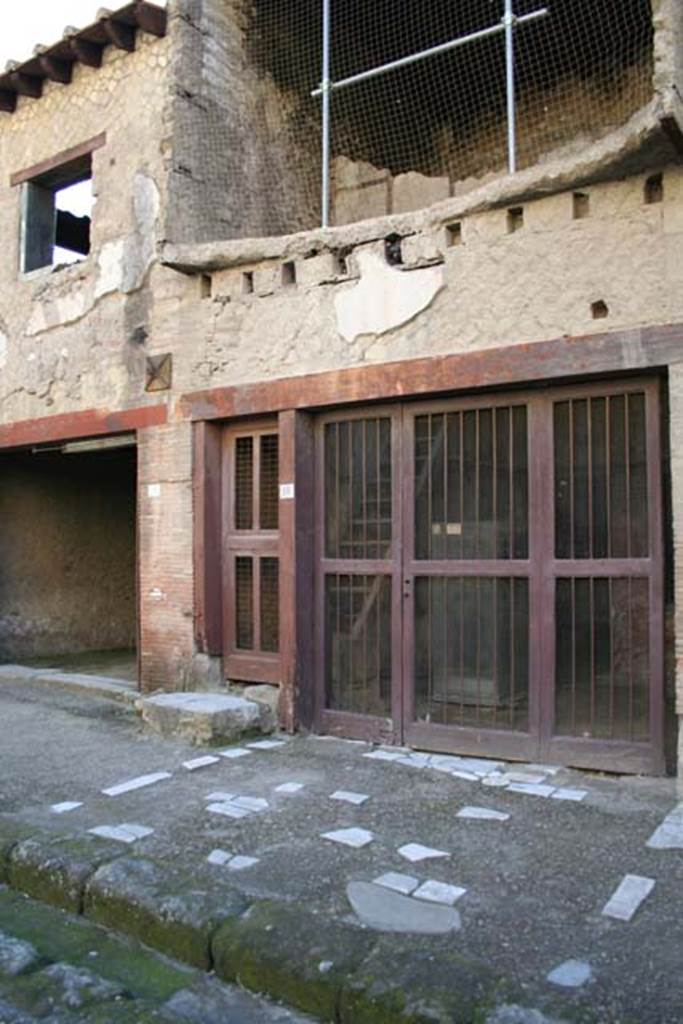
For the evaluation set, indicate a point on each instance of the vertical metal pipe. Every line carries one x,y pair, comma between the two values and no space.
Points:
326,89
509,22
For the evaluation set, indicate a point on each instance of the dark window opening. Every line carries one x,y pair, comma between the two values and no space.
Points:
515,219
454,234
581,205
288,274
654,189
392,250
56,216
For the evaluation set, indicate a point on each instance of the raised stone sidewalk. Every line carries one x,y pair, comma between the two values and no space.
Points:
354,884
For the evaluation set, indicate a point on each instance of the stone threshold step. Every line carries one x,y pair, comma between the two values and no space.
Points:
72,682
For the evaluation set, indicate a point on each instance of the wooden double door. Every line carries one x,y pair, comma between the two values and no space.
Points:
489,575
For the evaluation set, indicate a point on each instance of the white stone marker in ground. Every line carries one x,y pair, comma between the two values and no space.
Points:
415,852
251,803
482,814
240,862
355,837
139,783
289,787
571,974
219,857
383,755
669,835
232,753
565,793
228,810
346,796
65,807
439,892
221,797
631,892
404,884
531,789
200,762
267,744
122,833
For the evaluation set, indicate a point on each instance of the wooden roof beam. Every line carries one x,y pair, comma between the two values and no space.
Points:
120,35
86,52
27,85
8,101
56,70
151,19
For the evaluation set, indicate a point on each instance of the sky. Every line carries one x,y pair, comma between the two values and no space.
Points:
43,21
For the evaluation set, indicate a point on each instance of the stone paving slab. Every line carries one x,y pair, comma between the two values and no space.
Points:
535,884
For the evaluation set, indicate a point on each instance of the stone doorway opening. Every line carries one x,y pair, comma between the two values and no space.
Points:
68,558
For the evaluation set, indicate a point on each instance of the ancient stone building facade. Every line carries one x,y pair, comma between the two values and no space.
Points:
394,467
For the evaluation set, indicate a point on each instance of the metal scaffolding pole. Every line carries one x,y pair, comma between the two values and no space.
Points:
507,25
325,87
509,22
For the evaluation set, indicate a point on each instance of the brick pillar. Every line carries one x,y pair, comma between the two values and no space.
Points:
165,557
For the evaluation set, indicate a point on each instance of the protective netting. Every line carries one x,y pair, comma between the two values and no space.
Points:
581,71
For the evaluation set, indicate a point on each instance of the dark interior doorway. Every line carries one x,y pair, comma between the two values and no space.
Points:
68,576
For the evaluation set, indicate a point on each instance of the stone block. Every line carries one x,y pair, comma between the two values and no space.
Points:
553,213
202,718
268,699
419,250
307,971
354,204
56,870
317,269
267,279
163,910
356,173
413,191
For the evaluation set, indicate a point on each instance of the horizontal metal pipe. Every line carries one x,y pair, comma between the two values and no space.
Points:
434,51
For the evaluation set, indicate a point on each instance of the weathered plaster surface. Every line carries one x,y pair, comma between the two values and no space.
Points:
75,336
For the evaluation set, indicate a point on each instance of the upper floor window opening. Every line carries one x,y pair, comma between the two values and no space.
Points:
56,215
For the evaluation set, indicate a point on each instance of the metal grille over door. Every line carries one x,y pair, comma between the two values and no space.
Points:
467,560
357,589
491,575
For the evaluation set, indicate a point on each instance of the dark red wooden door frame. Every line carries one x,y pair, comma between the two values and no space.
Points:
256,665
385,730
542,569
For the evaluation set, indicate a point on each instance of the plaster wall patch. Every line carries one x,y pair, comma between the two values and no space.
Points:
3,349
385,297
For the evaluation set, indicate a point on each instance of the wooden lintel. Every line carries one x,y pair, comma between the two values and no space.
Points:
27,85
151,19
8,101
86,52
72,426
56,70
571,357
65,157
120,35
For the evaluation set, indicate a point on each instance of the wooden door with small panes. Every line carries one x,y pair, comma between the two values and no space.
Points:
251,611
